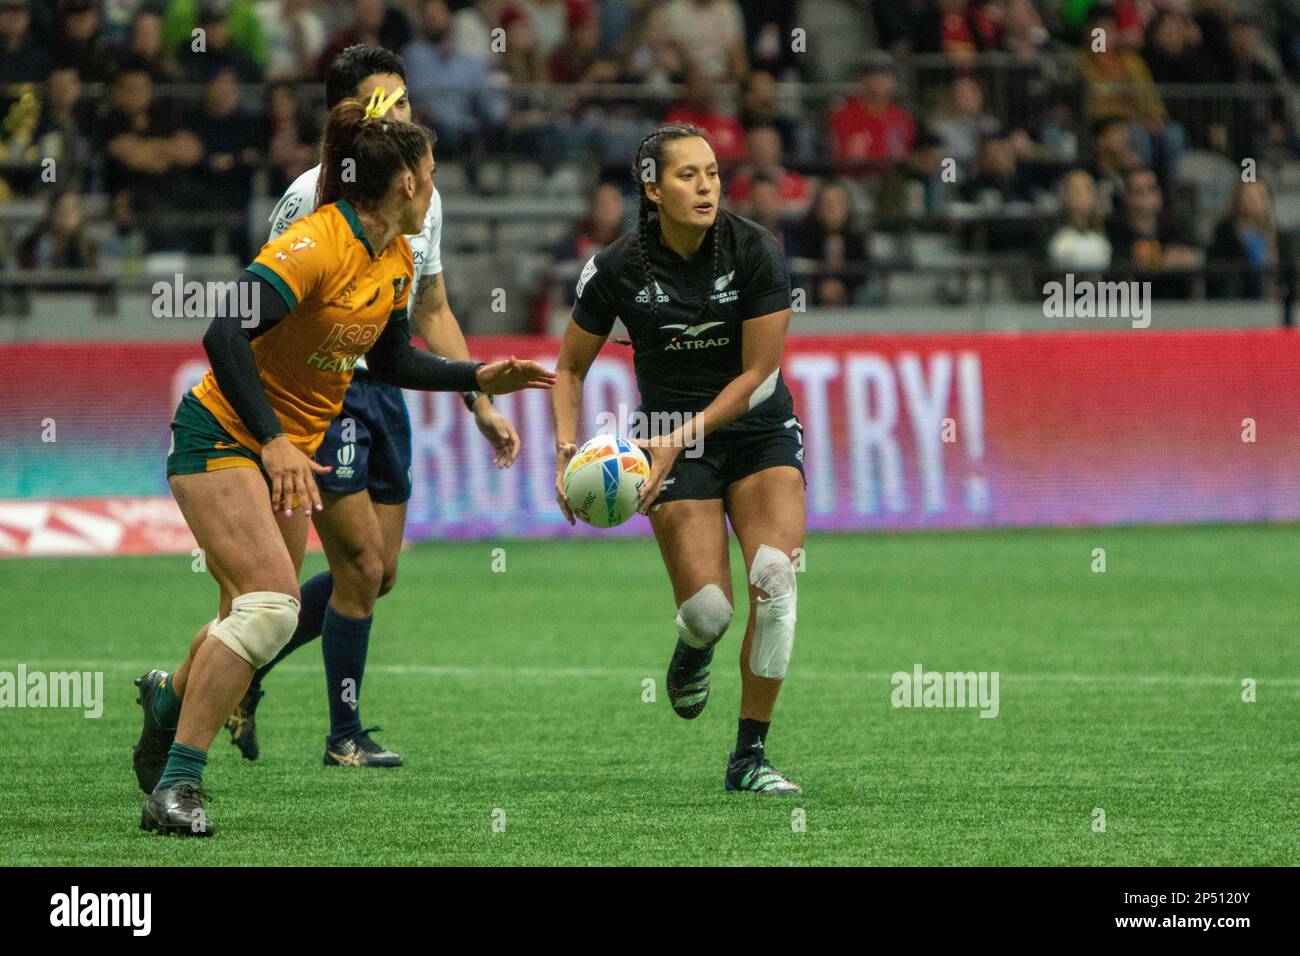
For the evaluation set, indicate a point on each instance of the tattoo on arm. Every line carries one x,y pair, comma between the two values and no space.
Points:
429,293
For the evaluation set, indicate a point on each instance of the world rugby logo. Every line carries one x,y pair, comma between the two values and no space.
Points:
346,455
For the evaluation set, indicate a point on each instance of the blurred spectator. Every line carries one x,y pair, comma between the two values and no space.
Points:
699,109
828,238
295,38
1023,32
603,223
144,44
218,52
1211,20
117,16
768,27
760,106
1131,18
290,135
922,178
62,134
955,28
126,244
1170,51
1119,86
965,124
1079,243
765,161
22,58
1115,156
523,61
870,127
79,43
373,23
1244,248
713,32
1030,83
59,241
579,60
605,220
1171,56
766,207
550,20
472,26
230,153
450,91
1250,62
999,177
240,16
655,56
572,127
1143,238
149,157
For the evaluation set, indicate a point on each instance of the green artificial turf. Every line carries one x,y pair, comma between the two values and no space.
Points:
519,695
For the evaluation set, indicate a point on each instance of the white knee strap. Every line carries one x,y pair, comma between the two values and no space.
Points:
259,624
703,617
773,573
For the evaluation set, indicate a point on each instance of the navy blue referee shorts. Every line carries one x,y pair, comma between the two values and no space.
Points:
378,459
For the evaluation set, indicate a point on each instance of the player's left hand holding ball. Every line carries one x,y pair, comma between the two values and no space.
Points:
662,453
511,375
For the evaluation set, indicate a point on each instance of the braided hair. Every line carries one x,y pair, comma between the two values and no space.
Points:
645,169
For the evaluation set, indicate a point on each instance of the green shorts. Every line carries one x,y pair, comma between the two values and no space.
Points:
200,444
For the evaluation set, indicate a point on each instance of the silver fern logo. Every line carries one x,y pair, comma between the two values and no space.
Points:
721,293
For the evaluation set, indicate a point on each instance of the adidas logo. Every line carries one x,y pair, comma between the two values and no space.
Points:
643,296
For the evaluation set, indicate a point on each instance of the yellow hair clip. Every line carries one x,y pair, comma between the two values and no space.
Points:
380,104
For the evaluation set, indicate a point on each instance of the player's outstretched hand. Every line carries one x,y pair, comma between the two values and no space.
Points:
564,452
662,453
293,475
512,374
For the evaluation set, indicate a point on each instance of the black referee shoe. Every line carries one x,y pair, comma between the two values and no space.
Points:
359,750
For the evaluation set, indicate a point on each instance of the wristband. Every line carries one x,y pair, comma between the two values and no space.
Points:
473,396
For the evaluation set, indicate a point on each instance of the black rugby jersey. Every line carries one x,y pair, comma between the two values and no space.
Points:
685,354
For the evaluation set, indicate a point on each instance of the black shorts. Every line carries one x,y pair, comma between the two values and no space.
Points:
729,456
378,459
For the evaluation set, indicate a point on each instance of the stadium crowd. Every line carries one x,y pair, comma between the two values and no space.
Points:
1149,138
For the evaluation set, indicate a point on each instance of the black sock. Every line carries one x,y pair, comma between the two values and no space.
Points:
750,737
311,620
344,641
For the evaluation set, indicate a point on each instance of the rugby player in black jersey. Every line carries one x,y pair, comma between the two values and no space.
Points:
705,298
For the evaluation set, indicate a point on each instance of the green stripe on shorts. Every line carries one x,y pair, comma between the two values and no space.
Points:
198,438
